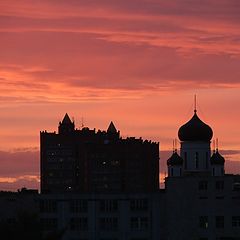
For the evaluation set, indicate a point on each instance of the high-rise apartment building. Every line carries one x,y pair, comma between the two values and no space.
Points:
84,160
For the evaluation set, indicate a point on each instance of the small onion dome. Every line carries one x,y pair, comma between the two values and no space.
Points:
174,160
195,130
217,159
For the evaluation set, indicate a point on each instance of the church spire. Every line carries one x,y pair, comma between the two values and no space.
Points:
195,103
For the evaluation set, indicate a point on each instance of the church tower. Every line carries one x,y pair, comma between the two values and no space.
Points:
195,137
195,151
217,164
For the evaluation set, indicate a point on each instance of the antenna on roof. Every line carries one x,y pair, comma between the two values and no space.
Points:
175,145
216,144
213,146
195,103
82,123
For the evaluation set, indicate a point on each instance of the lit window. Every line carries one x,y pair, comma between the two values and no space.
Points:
203,222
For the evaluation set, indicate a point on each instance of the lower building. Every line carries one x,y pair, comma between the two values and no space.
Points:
203,207
104,216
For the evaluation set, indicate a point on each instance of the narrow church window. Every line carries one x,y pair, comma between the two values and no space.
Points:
206,160
185,160
196,159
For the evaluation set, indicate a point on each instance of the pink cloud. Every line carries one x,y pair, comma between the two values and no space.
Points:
139,62
57,50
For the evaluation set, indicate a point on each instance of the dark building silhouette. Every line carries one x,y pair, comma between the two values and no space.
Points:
84,160
98,186
202,201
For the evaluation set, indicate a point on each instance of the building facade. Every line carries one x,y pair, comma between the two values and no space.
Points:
88,161
103,216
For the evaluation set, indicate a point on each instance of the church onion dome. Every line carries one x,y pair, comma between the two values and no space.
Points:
217,159
174,160
195,130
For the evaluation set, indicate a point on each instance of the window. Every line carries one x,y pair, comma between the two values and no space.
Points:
48,224
185,160
203,222
236,197
48,206
236,221
108,224
78,205
139,223
11,221
219,221
202,185
236,186
219,185
78,224
138,204
203,197
219,197
196,159
139,238
78,238
108,238
108,205
206,160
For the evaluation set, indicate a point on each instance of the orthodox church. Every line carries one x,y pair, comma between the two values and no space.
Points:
195,152
202,202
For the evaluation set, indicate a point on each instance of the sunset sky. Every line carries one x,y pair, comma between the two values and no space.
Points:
135,62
